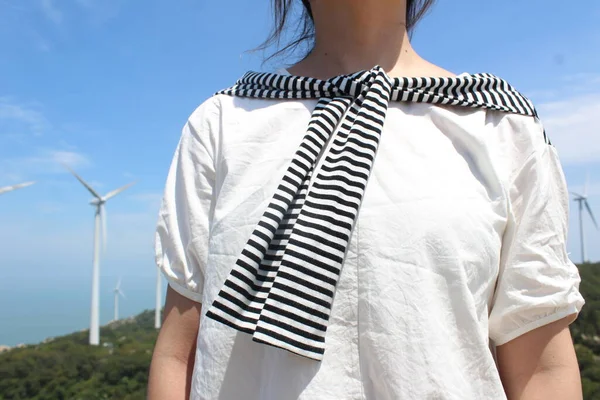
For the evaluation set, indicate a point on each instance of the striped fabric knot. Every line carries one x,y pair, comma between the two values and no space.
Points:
281,288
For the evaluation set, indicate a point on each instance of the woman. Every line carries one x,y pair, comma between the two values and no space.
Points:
446,277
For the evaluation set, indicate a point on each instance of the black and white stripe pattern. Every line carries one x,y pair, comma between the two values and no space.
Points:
282,286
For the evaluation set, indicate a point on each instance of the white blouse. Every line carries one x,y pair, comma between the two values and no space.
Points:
459,247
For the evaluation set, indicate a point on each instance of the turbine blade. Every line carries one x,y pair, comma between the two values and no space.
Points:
117,191
122,294
587,206
118,287
7,189
84,183
576,194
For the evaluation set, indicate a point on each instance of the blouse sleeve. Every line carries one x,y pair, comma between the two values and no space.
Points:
181,240
537,283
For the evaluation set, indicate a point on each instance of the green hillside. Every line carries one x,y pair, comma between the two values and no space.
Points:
586,331
67,368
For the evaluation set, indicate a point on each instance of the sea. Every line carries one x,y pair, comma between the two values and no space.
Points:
33,310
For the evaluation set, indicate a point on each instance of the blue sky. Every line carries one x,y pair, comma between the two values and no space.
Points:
106,85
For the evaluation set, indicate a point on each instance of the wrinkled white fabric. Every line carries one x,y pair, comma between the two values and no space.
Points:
459,247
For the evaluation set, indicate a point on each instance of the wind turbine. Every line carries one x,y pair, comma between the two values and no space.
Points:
7,189
117,290
158,300
99,226
582,199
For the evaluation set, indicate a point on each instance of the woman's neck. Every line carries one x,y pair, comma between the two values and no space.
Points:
353,35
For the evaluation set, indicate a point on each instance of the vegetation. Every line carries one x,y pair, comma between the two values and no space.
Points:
586,331
67,368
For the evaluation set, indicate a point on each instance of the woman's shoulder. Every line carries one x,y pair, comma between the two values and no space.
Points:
516,137
214,107
519,122
209,107
505,118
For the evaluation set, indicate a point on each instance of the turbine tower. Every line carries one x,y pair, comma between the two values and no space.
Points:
7,189
99,228
582,199
118,292
158,300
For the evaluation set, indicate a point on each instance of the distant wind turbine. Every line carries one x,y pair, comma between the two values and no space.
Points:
582,199
7,189
118,292
99,226
158,300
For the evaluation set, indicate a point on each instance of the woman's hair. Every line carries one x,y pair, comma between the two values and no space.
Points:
305,33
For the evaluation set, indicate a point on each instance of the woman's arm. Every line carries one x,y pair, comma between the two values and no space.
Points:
541,364
173,358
